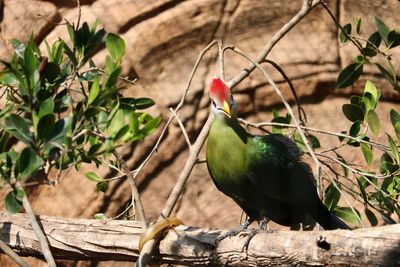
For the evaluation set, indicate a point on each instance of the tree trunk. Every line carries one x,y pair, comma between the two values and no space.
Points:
118,241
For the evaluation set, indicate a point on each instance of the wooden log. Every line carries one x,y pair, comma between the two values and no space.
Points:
98,240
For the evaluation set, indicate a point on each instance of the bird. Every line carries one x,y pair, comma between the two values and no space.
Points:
264,174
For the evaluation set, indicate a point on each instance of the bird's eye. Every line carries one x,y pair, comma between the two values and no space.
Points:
213,103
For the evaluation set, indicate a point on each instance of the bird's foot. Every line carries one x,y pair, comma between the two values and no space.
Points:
234,231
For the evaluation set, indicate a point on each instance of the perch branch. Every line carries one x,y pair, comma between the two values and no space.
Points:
80,239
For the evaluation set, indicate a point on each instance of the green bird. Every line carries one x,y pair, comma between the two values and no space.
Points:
264,175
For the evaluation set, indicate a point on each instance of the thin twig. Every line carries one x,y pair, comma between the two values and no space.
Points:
355,42
10,252
347,166
78,3
300,110
136,201
176,116
305,9
262,124
38,231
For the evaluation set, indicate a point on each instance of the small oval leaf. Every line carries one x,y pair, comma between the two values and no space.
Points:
373,122
352,112
349,75
367,152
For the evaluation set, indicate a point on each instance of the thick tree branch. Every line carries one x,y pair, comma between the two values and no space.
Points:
118,240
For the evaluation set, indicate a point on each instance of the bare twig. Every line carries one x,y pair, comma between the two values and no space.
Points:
38,231
136,201
305,9
300,110
182,128
78,3
262,124
7,250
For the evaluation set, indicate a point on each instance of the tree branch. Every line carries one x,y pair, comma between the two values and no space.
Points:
307,6
117,240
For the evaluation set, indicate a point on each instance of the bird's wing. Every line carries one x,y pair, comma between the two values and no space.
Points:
279,171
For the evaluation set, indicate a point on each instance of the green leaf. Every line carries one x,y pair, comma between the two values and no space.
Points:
150,126
394,38
393,148
332,196
46,107
355,129
27,163
94,91
352,112
115,46
71,32
276,128
390,76
143,103
373,122
344,33
52,72
349,75
314,141
395,119
101,186
122,133
361,184
31,67
113,77
355,100
371,88
13,201
19,128
382,29
358,25
371,217
116,123
386,164
369,51
93,177
45,126
62,128
347,214
367,152
374,41
100,216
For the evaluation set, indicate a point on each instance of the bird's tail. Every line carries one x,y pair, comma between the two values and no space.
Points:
328,220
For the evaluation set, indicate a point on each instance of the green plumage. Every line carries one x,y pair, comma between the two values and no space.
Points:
264,175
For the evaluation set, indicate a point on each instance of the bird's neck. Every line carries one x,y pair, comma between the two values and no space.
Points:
223,124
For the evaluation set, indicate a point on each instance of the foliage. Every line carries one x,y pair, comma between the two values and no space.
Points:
370,49
62,110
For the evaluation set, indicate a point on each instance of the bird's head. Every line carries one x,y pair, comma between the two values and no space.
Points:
222,103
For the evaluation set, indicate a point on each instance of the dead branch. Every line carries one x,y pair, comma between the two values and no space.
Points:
118,240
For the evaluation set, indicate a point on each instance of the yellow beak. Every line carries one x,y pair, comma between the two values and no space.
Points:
227,109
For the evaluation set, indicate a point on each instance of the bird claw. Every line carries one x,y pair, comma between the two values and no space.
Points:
235,231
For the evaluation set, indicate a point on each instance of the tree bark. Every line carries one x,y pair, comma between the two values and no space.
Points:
98,240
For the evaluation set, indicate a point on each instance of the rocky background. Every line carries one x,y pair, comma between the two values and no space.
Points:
163,39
